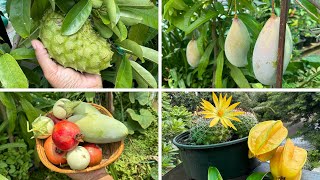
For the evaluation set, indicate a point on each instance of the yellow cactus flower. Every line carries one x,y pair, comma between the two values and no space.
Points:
287,162
221,111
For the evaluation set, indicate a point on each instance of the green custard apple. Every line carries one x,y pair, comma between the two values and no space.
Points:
84,51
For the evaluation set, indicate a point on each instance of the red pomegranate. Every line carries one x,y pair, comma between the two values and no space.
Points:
66,135
95,153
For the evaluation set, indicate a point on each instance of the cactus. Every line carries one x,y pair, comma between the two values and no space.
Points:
248,120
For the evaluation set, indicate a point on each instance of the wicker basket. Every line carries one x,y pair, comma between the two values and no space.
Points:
111,152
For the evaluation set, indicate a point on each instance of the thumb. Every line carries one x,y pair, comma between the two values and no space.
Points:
49,67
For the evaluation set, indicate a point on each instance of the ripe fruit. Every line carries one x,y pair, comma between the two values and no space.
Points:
54,155
265,51
237,43
84,51
193,53
66,135
95,153
42,127
78,158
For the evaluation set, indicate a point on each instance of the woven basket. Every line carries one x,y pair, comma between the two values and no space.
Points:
111,152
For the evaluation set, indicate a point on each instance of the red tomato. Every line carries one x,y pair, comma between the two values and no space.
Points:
54,155
95,153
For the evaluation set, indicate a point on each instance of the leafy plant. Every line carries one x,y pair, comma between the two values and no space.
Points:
208,23
119,22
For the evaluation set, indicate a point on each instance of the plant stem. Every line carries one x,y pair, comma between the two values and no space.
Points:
315,3
306,82
298,2
214,37
235,9
272,5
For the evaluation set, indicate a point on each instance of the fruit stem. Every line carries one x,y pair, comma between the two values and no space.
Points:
235,9
272,7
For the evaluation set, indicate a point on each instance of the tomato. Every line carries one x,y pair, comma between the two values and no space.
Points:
54,155
95,153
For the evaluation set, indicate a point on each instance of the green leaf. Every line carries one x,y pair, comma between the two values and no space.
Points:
138,33
104,30
311,8
132,47
150,54
124,75
4,48
20,16
238,76
143,74
190,13
22,120
3,178
31,112
135,3
113,11
23,53
64,5
53,4
12,145
219,70
204,61
123,30
11,110
257,175
130,19
149,16
214,174
205,17
38,9
145,118
11,75
76,17
142,97
254,27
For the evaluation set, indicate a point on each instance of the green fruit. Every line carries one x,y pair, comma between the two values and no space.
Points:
99,128
202,134
193,54
96,3
237,43
84,51
248,120
84,108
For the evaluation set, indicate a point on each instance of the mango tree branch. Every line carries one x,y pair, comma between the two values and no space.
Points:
282,37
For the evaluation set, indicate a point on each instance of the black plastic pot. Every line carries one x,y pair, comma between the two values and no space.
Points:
231,158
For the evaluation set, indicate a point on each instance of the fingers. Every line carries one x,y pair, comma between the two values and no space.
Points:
48,66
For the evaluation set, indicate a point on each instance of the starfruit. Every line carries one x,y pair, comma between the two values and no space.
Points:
288,161
264,138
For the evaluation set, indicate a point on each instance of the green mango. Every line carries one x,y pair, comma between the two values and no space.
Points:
85,108
99,128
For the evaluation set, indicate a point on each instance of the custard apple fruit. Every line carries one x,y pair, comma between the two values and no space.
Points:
248,120
84,51
202,134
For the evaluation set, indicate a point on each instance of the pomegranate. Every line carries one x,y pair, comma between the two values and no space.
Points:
66,135
95,153
53,118
78,158
54,155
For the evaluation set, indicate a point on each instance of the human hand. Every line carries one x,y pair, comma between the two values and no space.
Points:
99,174
61,77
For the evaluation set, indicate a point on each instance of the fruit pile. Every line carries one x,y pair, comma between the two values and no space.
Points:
73,132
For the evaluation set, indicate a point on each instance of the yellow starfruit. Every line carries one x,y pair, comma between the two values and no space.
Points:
264,138
288,161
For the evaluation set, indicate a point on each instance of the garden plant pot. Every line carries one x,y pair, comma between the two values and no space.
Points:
231,158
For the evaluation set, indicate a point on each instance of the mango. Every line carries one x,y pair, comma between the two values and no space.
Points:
265,51
99,128
237,43
193,53
84,108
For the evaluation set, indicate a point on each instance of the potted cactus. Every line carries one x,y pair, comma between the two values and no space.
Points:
222,145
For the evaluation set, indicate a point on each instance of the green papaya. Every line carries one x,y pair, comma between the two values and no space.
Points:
99,128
